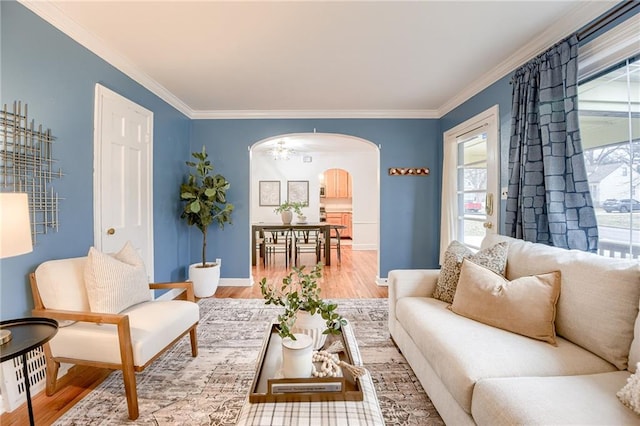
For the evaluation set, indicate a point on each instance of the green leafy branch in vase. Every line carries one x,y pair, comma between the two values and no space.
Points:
300,292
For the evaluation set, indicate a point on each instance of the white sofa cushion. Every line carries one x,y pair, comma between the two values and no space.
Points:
462,351
576,400
599,296
61,284
526,305
151,331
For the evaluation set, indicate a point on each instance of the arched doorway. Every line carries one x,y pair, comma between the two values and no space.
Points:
282,159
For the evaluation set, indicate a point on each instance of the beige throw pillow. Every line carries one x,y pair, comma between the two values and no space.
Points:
494,258
629,395
524,306
117,281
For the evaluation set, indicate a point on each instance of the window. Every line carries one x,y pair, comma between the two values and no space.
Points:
472,187
609,105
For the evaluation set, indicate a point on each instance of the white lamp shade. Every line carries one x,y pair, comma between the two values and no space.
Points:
15,229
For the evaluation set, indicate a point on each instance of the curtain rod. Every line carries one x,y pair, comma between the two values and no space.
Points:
609,17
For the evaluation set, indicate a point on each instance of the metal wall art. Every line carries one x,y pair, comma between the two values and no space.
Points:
408,171
26,166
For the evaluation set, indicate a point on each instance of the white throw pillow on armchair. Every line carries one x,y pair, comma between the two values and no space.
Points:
117,281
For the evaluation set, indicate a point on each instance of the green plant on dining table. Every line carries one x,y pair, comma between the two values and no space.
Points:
295,206
299,291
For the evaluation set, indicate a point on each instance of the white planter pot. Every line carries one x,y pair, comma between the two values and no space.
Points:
302,219
205,280
297,356
286,216
311,325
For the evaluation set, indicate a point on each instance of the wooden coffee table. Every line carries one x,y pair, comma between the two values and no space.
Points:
300,413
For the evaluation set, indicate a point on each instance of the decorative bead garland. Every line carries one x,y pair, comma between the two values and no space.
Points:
330,364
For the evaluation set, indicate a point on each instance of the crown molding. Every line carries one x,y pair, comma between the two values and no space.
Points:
579,16
56,17
582,14
272,114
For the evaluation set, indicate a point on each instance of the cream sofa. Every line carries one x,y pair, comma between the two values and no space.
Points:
478,374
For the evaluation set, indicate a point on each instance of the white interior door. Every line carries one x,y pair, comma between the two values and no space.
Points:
470,190
123,204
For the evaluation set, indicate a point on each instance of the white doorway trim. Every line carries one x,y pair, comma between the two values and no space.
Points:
314,144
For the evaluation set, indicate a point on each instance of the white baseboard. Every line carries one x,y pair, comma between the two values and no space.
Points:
236,282
382,282
364,247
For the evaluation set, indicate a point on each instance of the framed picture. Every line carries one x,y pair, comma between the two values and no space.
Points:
269,193
298,191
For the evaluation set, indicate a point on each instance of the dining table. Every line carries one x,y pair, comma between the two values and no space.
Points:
257,228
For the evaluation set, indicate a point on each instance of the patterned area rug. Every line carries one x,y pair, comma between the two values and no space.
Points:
211,389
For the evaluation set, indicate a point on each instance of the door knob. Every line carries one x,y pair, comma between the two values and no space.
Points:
488,225
111,231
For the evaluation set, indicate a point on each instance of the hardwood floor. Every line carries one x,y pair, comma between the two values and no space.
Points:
354,278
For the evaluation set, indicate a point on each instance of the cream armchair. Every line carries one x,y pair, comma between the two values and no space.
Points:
127,341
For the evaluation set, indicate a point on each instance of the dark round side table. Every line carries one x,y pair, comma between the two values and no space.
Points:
26,335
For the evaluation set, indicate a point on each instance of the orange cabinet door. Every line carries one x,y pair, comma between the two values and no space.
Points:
343,184
334,218
330,179
337,183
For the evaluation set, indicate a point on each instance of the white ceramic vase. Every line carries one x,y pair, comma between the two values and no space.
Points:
311,325
286,216
297,356
205,280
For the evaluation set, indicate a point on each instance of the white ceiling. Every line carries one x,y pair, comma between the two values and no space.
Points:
222,59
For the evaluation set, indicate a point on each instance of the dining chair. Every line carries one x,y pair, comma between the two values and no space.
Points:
307,241
334,242
259,247
276,241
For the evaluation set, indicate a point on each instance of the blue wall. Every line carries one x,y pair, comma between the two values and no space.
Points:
410,205
56,76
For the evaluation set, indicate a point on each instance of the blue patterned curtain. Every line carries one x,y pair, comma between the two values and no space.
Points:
549,200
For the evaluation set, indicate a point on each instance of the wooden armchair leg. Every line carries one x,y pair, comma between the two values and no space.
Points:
194,342
130,390
52,375
128,372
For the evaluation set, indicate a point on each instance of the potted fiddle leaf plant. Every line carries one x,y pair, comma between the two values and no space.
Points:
205,203
304,310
